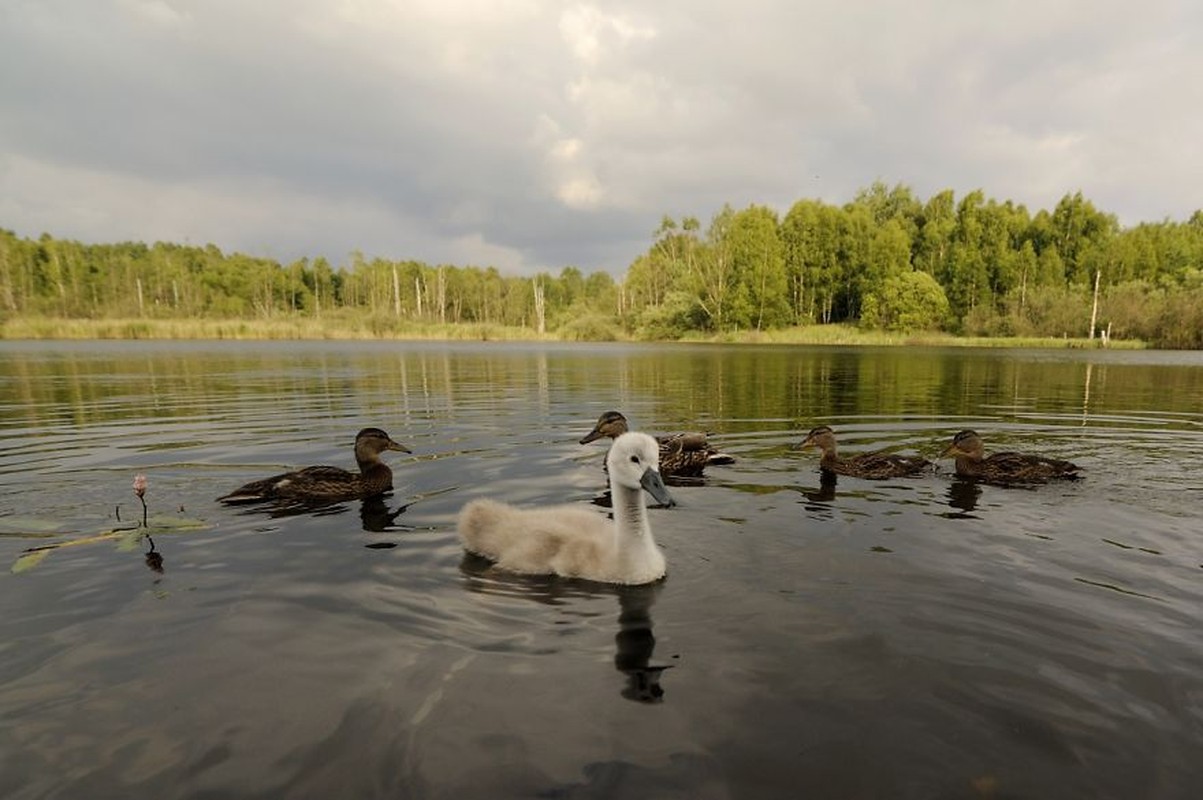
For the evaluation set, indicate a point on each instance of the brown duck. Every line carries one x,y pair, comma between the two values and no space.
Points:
682,455
322,483
972,462
875,465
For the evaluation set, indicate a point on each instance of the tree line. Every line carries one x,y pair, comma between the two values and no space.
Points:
886,260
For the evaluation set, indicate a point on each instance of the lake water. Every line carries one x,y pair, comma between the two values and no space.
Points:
912,638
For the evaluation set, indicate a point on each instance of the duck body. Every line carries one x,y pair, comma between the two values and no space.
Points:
875,466
574,542
323,483
1006,467
682,455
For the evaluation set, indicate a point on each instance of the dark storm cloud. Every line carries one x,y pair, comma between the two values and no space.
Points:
534,135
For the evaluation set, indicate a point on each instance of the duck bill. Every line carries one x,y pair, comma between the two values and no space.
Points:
592,435
398,446
950,451
805,443
655,487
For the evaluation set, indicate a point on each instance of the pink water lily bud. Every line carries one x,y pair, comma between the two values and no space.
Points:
140,484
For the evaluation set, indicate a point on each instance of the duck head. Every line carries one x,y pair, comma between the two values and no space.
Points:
965,443
821,437
371,442
634,462
610,424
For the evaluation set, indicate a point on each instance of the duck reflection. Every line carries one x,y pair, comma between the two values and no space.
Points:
375,515
826,491
963,494
634,641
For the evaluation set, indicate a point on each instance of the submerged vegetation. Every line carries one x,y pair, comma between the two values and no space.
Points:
884,268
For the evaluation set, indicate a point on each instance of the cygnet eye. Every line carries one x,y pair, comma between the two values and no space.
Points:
634,459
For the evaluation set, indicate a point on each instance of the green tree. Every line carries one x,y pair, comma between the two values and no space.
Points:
713,278
937,222
1079,230
760,290
889,255
906,301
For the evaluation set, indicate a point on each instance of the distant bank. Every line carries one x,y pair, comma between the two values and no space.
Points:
344,328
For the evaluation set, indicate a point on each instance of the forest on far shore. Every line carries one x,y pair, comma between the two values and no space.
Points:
885,261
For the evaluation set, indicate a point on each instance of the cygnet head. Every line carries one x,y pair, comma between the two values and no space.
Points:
634,462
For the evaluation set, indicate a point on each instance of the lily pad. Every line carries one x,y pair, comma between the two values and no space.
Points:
31,527
29,560
127,538
129,542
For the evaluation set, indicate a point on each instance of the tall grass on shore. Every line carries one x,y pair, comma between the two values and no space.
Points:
368,327
844,334
277,328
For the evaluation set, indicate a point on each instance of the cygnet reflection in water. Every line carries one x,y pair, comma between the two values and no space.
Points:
635,643
634,640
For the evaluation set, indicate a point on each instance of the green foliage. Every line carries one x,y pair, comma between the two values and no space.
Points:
590,328
759,290
907,301
1058,311
1142,309
679,314
811,237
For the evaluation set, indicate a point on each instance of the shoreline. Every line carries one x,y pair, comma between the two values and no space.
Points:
374,329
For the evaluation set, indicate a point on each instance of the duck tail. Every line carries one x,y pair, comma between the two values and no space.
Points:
243,496
253,492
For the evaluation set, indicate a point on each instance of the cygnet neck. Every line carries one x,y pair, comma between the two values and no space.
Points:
630,511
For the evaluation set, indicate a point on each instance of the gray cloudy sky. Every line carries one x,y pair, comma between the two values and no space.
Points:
534,134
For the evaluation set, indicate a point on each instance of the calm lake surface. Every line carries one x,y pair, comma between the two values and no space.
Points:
912,638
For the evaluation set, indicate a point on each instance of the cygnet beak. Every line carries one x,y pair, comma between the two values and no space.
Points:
655,487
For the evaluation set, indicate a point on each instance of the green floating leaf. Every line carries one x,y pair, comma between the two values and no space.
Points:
29,526
29,560
170,524
129,541
128,538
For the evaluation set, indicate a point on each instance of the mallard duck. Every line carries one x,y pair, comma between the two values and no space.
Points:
323,484
571,541
971,462
864,465
682,455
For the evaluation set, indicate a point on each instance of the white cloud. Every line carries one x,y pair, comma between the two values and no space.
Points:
581,192
592,34
156,12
